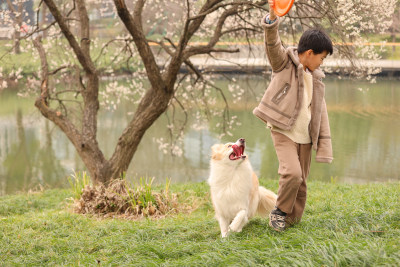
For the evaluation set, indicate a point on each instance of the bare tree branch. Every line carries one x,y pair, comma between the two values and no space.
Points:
134,26
84,58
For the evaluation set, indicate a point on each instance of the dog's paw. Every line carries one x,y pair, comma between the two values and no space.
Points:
235,229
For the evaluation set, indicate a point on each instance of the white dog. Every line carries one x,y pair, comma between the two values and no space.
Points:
235,191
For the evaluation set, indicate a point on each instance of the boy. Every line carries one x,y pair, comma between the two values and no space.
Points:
294,108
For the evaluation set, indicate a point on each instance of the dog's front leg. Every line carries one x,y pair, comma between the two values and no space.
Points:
223,224
239,221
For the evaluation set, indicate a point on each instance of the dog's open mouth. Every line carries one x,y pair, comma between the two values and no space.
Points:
238,150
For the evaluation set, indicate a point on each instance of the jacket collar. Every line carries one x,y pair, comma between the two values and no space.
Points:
294,56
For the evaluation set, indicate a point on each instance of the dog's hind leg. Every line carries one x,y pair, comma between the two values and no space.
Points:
239,221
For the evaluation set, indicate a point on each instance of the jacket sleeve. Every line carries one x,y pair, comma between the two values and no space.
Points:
276,53
324,148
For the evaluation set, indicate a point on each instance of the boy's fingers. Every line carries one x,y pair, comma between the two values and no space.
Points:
271,3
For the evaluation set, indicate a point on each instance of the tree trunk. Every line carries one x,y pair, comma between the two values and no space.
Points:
393,39
153,104
17,24
44,19
17,43
150,109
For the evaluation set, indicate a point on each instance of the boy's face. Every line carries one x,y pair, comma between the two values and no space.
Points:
312,61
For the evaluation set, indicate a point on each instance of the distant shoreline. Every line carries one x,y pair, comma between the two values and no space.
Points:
389,68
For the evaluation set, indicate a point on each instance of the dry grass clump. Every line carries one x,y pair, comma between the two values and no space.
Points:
120,200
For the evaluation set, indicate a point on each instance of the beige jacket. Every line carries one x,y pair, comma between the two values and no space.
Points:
281,102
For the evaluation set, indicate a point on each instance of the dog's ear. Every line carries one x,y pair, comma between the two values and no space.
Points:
216,148
216,151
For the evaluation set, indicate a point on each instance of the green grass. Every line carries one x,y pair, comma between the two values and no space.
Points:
344,225
78,181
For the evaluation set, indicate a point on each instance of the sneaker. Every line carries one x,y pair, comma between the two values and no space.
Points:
277,219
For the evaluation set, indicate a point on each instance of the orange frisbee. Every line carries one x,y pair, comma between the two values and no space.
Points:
282,7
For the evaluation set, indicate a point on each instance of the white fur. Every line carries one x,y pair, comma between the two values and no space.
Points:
235,193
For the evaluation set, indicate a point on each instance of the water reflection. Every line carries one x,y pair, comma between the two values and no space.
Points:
27,161
364,121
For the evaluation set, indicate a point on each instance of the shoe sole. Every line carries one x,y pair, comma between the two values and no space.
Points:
278,230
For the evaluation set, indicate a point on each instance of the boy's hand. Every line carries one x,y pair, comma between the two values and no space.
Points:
272,14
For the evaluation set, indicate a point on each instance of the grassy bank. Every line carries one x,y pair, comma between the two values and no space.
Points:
343,225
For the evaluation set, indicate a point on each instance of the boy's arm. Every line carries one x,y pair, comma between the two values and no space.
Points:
324,148
276,53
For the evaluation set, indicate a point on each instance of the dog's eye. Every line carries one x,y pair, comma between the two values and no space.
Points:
229,145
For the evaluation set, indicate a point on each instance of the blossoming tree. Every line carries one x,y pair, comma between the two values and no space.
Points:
74,109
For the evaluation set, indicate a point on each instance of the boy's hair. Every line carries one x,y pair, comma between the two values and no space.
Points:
316,40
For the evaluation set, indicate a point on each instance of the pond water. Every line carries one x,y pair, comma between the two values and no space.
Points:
365,128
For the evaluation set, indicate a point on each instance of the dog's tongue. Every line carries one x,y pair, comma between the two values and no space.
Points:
237,151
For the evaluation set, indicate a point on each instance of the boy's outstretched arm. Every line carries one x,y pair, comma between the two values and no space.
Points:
276,53
272,15
324,150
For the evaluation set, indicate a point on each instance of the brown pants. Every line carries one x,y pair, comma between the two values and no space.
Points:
294,167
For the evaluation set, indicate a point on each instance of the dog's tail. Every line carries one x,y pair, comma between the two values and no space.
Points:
267,201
